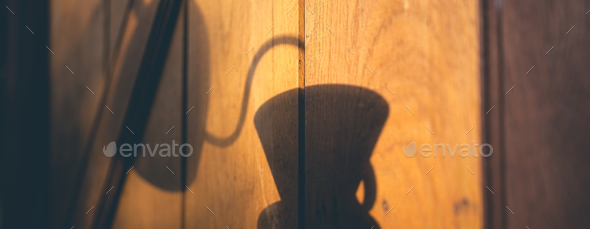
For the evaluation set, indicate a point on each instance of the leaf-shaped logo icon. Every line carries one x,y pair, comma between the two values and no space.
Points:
110,150
410,150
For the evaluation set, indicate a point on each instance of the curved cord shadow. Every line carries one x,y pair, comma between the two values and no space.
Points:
283,39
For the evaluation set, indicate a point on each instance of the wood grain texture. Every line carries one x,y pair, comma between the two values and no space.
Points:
246,67
76,38
152,195
427,54
546,113
85,194
231,170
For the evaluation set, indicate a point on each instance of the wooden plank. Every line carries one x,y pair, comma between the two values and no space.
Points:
150,178
546,113
122,78
492,115
427,54
229,171
76,41
25,112
117,12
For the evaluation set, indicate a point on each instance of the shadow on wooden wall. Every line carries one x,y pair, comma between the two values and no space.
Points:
344,125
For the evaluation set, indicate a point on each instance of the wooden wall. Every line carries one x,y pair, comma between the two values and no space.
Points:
298,113
543,115
422,59
104,54
152,196
24,114
76,41
242,53
413,63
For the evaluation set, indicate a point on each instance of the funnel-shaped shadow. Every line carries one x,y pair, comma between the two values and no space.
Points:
342,125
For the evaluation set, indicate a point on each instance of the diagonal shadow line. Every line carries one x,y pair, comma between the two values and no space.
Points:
140,104
78,180
118,166
288,40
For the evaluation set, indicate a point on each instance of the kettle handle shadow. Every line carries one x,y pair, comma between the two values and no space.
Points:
370,188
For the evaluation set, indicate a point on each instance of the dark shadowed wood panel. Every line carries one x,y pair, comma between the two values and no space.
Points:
24,125
491,112
117,11
546,113
152,195
91,171
76,40
241,54
427,53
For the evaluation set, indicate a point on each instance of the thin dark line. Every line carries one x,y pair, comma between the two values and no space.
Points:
140,103
183,167
301,120
106,33
81,170
493,96
501,144
486,19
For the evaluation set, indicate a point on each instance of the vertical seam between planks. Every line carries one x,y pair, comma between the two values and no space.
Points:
301,118
184,86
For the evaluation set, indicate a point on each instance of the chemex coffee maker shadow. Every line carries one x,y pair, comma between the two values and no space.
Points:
341,126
